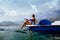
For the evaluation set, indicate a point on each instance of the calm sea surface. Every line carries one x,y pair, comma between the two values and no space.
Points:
10,33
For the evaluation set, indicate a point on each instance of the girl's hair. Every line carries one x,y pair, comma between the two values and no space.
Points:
33,15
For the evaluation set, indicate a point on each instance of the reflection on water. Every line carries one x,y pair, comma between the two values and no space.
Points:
11,35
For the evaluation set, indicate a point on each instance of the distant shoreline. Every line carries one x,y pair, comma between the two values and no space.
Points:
9,25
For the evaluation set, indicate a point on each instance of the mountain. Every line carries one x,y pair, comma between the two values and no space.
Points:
8,23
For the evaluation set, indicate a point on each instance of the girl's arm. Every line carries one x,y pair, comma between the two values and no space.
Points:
36,21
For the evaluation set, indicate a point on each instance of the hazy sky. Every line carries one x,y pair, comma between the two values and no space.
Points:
17,10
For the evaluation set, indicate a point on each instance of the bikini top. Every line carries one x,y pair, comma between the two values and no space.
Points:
33,21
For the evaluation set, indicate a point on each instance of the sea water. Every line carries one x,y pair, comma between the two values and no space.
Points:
10,34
